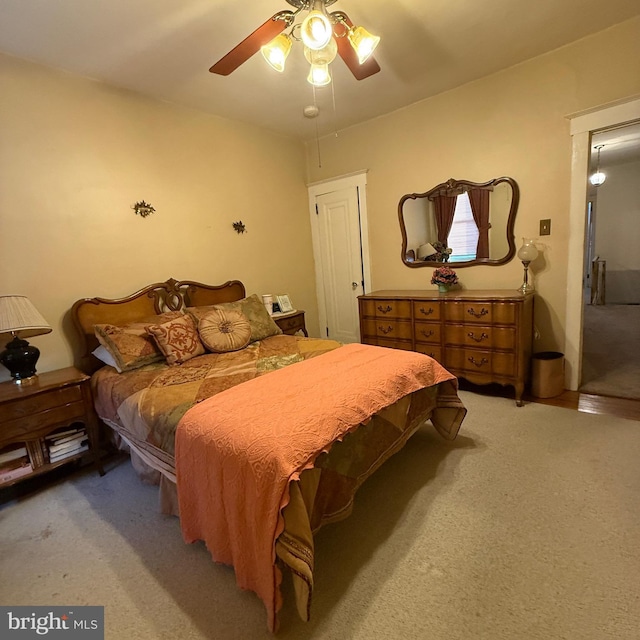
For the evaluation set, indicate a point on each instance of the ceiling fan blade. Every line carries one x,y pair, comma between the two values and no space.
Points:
251,44
349,56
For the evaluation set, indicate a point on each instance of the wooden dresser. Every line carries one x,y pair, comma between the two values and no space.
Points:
482,336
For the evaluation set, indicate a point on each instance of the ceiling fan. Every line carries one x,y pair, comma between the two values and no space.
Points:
323,34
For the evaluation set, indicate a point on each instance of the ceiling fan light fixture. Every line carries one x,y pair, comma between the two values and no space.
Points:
316,30
363,43
319,75
276,51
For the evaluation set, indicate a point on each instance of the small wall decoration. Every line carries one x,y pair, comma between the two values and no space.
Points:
143,208
239,227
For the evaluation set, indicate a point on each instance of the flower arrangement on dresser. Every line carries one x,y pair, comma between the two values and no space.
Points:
444,277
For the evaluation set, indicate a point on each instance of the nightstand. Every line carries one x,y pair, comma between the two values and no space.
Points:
43,417
291,323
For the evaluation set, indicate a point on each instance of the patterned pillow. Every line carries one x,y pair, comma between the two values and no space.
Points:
262,324
224,330
177,339
130,345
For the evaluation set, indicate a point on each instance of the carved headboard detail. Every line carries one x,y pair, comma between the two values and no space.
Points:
172,295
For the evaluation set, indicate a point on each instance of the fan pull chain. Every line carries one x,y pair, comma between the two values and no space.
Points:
315,104
333,98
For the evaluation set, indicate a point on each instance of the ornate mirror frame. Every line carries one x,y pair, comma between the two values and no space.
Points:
464,185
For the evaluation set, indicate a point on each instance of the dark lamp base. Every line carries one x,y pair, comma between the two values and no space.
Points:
20,358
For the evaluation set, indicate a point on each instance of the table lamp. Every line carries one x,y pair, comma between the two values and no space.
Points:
22,320
527,253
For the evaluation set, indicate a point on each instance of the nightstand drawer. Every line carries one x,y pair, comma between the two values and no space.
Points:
39,424
22,407
291,324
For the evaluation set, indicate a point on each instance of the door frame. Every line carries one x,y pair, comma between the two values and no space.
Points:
358,180
583,124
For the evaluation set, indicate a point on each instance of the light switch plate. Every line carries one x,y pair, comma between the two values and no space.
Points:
545,227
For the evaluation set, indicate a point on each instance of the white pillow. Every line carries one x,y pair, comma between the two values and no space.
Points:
104,355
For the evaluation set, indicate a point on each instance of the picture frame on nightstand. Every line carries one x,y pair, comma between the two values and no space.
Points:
284,303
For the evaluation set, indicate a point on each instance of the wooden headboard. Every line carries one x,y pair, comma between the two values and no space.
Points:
172,295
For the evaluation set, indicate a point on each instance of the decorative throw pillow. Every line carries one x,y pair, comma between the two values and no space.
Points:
130,345
177,339
224,330
262,324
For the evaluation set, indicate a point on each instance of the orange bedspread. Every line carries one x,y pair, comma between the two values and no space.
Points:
237,452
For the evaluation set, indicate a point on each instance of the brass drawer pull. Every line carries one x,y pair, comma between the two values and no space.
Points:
426,334
427,312
483,336
383,310
473,313
387,330
472,360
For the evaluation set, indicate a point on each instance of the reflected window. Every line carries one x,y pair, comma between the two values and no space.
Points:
463,237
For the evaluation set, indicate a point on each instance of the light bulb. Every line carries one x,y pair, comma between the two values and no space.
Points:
597,178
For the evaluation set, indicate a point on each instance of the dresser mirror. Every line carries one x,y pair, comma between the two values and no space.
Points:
460,222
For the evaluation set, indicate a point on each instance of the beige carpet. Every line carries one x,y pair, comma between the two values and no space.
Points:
611,350
526,527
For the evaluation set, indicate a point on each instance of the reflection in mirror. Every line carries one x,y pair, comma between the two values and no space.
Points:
458,221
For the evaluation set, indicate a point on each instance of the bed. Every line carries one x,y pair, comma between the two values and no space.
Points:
256,439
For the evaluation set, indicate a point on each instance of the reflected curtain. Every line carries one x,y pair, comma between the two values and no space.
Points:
479,200
444,208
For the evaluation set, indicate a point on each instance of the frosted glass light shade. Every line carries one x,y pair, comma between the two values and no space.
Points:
326,55
597,178
363,43
319,75
528,252
316,30
276,51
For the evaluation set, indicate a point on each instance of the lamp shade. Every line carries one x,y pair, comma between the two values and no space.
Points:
528,252
426,250
18,316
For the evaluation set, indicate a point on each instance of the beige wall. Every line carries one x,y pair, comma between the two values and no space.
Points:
512,123
75,155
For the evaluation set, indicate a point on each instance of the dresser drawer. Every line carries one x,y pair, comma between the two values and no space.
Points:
387,308
431,350
468,312
427,332
426,310
481,361
387,328
22,407
488,337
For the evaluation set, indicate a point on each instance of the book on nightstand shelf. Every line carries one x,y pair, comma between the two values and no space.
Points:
67,443
16,468
12,453
67,453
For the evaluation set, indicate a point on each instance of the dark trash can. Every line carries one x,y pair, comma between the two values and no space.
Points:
547,376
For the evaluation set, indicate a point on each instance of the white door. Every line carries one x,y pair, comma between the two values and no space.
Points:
339,252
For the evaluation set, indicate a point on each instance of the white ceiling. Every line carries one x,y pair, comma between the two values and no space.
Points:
164,48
